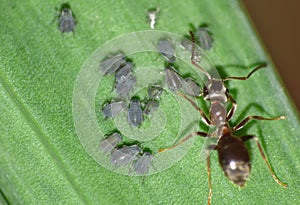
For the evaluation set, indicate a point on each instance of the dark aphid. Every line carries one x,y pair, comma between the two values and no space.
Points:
142,165
154,92
174,81
152,16
125,84
125,155
66,21
135,113
187,45
123,71
166,48
151,106
191,87
108,144
112,63
204,38
110,110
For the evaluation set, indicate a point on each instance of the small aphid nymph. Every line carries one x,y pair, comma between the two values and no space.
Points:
187,45
108,144
204,38
142,165
151,106
166,48
110,110
123,71
191,87
152,16
124,85
173,79
125,155
154,92
112,63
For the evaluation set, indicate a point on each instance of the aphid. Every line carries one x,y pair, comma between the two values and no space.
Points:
135,113
152,16
154,92
125,84
151,106
204,37
108,144
173,79
112,63
166,48
191,87
110,110
142,165
187,45
124,71
125,155
66,21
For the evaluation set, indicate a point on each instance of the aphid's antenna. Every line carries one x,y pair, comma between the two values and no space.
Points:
193,55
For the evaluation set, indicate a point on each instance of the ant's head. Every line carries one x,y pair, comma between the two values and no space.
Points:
214,90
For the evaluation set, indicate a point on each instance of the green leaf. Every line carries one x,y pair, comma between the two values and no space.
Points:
42,160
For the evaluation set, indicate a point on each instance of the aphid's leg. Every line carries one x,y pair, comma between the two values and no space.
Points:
248,76
207,151
247,119
202,134
249,137
203,116
232,109
193,58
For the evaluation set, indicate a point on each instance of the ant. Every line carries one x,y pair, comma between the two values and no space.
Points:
233,155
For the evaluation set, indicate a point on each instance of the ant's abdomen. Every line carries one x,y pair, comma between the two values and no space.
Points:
234,159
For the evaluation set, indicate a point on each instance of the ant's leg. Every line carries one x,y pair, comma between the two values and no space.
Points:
249,137
232,109
207,151
204,118
202,134
193,57
248,76
247,119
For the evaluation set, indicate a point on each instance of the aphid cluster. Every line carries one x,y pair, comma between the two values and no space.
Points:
136,111
152,103
125,80
124,155
173,79
118,65
233,155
